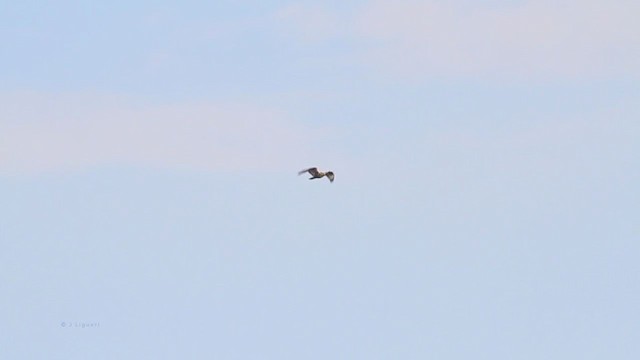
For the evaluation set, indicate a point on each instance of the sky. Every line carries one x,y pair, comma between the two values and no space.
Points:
485,206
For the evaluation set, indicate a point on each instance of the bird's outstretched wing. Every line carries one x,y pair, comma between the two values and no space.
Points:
330,175
313,171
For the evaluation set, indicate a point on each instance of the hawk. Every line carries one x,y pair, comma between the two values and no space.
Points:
315,174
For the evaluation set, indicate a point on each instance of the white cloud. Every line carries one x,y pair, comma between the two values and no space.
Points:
536,38
528,39
65,132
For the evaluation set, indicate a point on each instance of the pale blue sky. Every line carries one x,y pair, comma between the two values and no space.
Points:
485,203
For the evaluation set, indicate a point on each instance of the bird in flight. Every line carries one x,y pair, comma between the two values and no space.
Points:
315,174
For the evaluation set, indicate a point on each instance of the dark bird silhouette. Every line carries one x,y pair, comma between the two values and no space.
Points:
315,174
